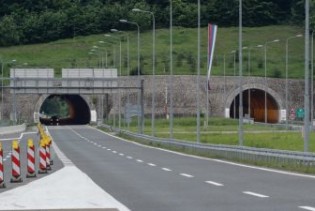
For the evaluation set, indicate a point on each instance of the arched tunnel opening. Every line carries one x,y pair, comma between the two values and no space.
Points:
65,110
254,106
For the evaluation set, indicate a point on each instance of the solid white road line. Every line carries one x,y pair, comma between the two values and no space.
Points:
151,164
214,183
255,194
186,175
166,169
307,208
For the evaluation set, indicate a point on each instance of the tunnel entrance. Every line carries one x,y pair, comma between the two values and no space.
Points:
64,110
254,106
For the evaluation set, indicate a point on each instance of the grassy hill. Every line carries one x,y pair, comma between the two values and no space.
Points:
74,52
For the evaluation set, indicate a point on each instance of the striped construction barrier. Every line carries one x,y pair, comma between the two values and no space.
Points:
2,184
49,142
47,153
42,157
16,164
30,159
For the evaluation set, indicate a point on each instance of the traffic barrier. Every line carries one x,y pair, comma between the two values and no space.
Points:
2,184
30,159
42,157
49,141
47,147
16,164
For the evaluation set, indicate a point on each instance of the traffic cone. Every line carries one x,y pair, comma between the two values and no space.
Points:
30,159
16,164
2,184
42,157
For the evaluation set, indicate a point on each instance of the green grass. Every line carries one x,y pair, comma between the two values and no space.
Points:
74,52
225,131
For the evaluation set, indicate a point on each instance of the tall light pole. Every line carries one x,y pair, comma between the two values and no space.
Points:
128,48
119,94
153,68
171,70
307,72
286,75
265,55
198,76
240,56
234,70
140,120
249,49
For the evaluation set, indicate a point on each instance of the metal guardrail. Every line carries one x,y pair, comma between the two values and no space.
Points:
238,153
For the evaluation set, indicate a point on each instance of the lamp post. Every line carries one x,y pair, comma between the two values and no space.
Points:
234,70
249,49
119,94
153,68
307,71
171,71
265,55
128,48
286,74
106,53
140,120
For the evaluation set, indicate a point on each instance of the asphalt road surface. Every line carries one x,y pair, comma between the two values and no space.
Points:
149,179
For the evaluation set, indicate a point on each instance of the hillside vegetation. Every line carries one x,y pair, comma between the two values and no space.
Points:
74,52
34,21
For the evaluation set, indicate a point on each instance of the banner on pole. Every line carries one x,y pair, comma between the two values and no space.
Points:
212,35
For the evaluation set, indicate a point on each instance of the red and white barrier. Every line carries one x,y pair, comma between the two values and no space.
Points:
47,155
16,164
30,159
42,157
2,184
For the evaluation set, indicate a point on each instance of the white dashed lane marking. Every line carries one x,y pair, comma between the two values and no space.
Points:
255,194
307,208
121,154
214,183
186,175
166,169
151,164
139,161
129,157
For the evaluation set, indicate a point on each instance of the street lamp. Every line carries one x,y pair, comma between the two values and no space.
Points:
265,52
140,121
249,70
106,52
127,35
153,67
119,94
286,74
234,69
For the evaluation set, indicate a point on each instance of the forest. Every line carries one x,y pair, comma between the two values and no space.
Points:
38,21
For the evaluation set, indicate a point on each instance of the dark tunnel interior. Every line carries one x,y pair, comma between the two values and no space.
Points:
254,106
65,110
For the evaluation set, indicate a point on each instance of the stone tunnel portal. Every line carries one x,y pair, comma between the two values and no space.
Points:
65,110
254,106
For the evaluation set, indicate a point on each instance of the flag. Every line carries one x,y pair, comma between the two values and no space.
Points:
212,35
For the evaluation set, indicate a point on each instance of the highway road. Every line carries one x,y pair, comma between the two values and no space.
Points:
149,179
